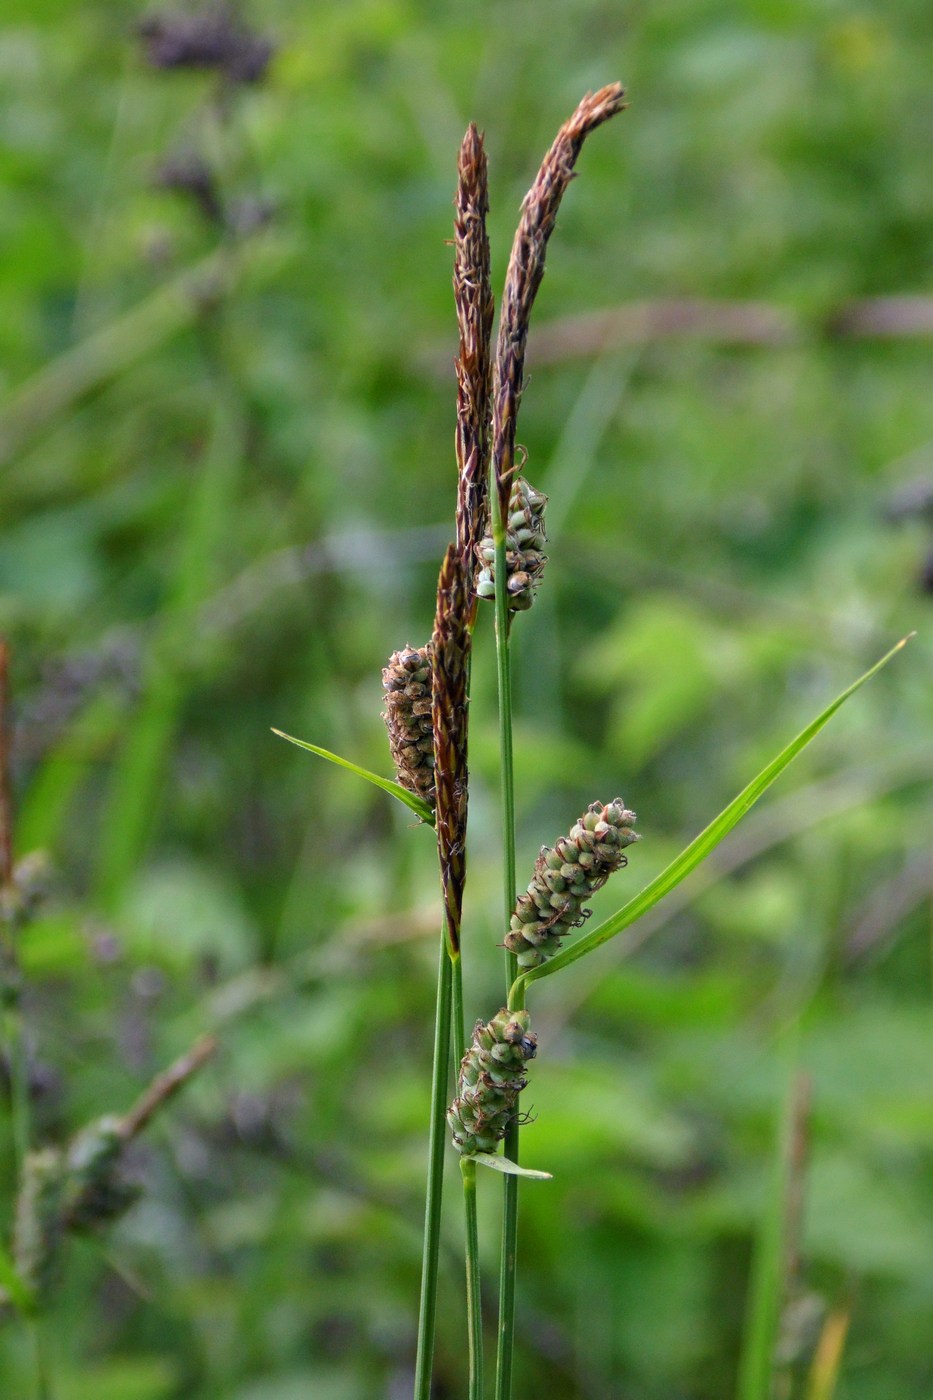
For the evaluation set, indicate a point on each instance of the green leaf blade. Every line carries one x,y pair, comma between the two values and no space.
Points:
698,849
416,804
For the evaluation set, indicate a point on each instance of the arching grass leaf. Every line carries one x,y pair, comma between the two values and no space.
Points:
699,848
417,804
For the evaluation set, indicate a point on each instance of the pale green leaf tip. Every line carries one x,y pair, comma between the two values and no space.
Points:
508,1167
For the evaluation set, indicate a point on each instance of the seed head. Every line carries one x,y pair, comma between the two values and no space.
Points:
37,1227
565,876
524,542
491,1078
407,685
96,1189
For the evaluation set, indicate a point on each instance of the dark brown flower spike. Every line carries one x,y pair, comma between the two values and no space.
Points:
526,268
451,646
474,302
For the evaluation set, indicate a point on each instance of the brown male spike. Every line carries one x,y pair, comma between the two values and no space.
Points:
450,645
474,302
526,268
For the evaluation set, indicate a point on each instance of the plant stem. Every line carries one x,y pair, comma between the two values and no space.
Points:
508,1257
468,1170
767,1284
432,1207
474,1300
40,1363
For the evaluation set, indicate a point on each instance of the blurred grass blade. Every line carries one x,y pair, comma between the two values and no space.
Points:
12,1284
507,1167
700,848
774,1248
31,406
411,799
824,1373
139,773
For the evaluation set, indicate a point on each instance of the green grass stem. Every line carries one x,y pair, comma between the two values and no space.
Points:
474,1297
767,1283
440,1083
468,1171
508,1257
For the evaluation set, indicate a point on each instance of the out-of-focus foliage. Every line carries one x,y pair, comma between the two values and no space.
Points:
222,510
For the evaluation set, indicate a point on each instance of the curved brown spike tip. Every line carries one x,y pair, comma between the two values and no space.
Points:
474,304
598,107
526,268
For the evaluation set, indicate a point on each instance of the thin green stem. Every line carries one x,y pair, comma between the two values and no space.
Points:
474,1302
440,1082
20,1108
458,1026
508,1257
40,1361
468,1169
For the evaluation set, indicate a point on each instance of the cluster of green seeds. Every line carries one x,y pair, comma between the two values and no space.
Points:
492,1075
524,541
75,1190
565,876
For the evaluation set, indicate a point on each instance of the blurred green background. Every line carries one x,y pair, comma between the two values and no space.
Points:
226,482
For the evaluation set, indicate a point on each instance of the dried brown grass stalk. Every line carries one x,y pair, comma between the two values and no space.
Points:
526,268
450,644
475,305
165,1086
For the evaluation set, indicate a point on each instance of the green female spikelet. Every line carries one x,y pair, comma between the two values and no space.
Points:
524,541
38,1226
406,681
492,1075
565,877
96,1190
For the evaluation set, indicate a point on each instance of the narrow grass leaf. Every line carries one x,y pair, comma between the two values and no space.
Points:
508,1167
410,799
827,1361
768,1283
12,1284
700,848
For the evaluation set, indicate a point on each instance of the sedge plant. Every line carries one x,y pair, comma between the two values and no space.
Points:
498,555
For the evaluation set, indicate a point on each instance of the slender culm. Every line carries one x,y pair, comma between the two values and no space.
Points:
407,682
492,1075
565,876
525,559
